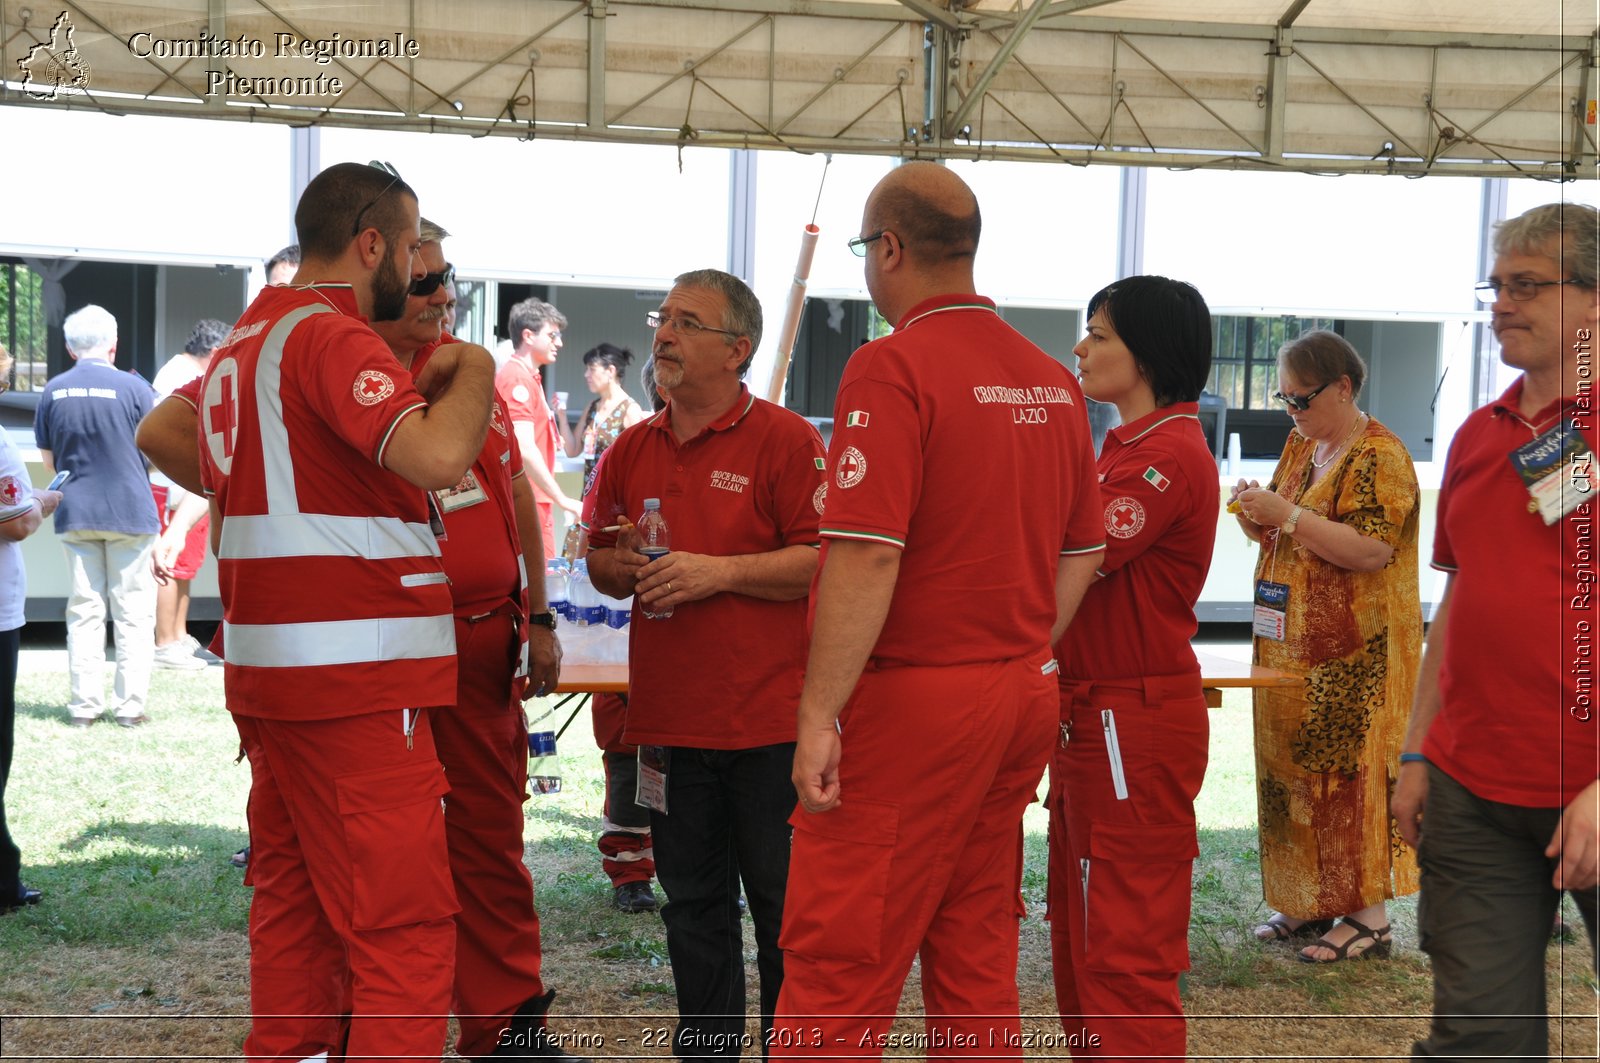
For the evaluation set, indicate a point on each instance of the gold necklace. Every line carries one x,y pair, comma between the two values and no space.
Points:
1360,417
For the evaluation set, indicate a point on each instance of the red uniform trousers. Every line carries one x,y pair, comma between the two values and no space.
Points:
626,853
353,901
923,854
483,745
1120,867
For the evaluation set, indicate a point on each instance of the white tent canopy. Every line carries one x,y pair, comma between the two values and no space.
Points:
1372,86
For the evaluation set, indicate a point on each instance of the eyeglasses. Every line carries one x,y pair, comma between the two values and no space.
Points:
683,326
1521,289
858,244
355,230
1301,403
429,283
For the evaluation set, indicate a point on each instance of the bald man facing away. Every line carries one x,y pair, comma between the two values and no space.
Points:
930,705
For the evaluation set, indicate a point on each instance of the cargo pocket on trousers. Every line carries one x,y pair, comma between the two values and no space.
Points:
839,881
394,831
1138,897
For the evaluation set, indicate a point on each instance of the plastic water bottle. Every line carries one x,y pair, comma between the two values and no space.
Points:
618,614
544,770
555,585
654,541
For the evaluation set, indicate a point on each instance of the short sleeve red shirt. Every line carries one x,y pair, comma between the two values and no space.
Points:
1517,721
480,546
296,423
959,441
723,672
521,387
1160,493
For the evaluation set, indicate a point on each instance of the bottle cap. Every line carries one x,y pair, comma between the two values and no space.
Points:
652,503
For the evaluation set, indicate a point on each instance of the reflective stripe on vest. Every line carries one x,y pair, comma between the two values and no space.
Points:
323,535
339,641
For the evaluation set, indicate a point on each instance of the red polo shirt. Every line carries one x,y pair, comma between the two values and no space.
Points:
723,672
1160,493
965,445
1517,678
481,547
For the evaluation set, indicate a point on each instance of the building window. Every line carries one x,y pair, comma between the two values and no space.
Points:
1244,363
22,325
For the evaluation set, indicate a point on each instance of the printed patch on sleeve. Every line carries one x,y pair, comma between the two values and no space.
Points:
11,493
520,392
822,464
1155,479
819,497
851,468
856,419
1124,517
497,419
372,387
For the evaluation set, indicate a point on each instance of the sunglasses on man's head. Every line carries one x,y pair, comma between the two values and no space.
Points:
429,283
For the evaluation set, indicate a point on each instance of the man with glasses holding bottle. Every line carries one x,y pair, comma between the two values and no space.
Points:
535,328
717,681
1497,787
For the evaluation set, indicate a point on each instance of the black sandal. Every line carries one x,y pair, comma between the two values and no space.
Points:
1278,929
1380,942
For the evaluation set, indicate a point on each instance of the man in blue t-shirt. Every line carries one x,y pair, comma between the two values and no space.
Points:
107,520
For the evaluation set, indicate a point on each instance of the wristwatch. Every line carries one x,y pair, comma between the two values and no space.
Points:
543,618
1288,526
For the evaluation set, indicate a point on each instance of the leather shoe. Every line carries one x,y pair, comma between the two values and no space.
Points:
634,897
25,895
132,721
82,722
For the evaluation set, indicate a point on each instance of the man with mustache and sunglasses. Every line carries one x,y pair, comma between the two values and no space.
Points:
338,624
506,650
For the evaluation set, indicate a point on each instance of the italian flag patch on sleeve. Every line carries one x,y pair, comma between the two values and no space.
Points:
856,419
1156,480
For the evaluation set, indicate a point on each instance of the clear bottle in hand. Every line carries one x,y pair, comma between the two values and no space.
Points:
654,541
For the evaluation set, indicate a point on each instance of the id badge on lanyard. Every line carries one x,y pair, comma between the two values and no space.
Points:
651,789
1271,617
1558,470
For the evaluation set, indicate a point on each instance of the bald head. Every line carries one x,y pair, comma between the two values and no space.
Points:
930,209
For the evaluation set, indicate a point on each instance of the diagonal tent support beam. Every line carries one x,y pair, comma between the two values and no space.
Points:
953,125
690,69
934,13
521,46
839,80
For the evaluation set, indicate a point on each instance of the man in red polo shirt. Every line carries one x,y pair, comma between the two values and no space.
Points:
962,526
337,626
535,328
1497,787
716,683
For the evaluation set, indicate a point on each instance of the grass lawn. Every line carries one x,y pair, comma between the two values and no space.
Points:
139,948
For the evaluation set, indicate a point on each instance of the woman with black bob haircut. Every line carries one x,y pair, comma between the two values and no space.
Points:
1122,828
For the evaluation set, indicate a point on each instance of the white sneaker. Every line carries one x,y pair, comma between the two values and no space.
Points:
177,655
202,654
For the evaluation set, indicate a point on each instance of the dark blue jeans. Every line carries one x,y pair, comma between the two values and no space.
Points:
727,821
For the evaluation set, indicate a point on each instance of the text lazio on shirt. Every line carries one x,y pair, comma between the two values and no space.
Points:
1029,405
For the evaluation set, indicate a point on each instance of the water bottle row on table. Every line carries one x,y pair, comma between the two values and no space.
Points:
595,625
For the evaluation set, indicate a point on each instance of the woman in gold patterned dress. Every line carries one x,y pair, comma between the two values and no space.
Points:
1338,531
